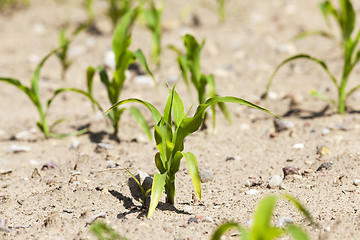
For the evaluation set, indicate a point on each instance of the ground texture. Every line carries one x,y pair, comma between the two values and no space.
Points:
51,191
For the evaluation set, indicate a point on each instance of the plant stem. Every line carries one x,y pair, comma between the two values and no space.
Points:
170,191
342,97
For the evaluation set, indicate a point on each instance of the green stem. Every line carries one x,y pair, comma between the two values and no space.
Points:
170,191
156,48
44,124
342,97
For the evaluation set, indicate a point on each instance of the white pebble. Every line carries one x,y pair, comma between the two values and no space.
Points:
356,182
16,148
252,192
298,145
325,131
275,181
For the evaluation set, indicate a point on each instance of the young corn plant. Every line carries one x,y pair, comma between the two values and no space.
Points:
261,228
170,131
103,232
221,10
189,64
123,58
62,52
144,192
33,92
153,22
117,9
345,18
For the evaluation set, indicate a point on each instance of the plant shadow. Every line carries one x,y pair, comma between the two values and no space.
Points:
132,208
307,114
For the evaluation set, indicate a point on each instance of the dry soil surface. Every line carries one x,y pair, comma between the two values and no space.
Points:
52,190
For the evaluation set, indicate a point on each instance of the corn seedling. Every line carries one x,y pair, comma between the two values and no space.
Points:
33,92
144,192
62,52
117,9
11,4
104,232
189,63
221,10
261,228
123,58
346,19
170,131
153,22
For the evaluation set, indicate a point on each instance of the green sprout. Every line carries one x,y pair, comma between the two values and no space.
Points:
117,9
261,228
170,131
345,18
221,10
144,192
123,58
62,52
153,23
104,232
189,63
11,4
33,92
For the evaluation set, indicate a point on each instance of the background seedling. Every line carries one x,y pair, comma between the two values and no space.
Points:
189,64
104,232
345,17
117,9
153,22
221,10
10,4
33,92
261,228
123,58
170,131
62,52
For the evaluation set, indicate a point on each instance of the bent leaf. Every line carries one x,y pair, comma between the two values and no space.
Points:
156,191
305,56
194,172
223,228
141,121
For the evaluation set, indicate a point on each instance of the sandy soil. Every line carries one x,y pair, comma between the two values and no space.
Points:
57,202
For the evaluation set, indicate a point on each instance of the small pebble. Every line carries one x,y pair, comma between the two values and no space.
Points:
96,216
103,146
109,59
342,127
282,125
275,181
16,149
143,226
50,165
356,182
290,170
322,150
298,146
193,219
283,221
3,223
74,145
205,176
144,80
252,192
229,158
208,219
188,209
33,162
325,131
325,166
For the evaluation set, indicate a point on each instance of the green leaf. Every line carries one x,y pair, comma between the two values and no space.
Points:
155,113
301,208
299,56
315,33
90,72
156,191
319,95
347,18
223,228
23,88
296,232
104,232
160,164
178,109
140,56
192,124
64,135
194,172
141,121
87,95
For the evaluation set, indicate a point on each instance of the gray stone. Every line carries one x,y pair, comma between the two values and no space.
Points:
282,125
283,221
205,176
